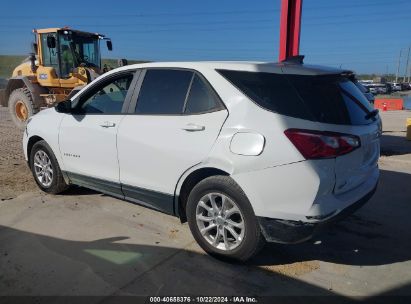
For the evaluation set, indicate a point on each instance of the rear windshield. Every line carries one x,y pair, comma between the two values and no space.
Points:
325,98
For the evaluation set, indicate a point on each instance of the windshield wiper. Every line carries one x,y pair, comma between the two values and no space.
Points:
372,114
369,114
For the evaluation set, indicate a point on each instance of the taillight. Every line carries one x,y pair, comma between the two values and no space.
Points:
319,144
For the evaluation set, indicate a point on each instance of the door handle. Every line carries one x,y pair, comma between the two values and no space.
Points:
193,127
108,124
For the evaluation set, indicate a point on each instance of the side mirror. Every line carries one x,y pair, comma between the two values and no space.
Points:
51,42
122,62
64,107
109,45
34,47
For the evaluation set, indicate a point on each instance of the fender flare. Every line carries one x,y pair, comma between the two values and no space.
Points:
221,165
21,82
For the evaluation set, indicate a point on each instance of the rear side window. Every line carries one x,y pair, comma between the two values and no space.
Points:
163,92
325,98
201,98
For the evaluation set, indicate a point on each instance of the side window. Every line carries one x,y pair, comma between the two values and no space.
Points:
163,92
107,98
49,56
200,98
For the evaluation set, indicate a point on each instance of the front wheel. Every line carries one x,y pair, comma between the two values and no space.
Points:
222,220
21,107
45,169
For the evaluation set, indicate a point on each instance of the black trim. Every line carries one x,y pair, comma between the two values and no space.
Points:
97,184
155,200
290,232
136,91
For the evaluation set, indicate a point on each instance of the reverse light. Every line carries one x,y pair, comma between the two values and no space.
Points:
322,144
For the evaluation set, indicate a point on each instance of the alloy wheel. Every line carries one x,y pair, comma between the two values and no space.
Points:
43,168
220,221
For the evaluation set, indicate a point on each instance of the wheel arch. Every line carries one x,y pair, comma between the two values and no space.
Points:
30,143
187,183
21,82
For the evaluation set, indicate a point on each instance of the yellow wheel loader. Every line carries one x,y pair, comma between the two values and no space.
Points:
62,62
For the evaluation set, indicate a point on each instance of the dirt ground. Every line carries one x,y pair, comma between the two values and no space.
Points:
15,177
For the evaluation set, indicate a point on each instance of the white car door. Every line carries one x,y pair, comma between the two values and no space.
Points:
88,134
175,124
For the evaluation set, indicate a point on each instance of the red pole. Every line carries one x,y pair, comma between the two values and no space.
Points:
290,27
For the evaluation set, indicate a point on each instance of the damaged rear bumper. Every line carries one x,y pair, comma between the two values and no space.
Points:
289,232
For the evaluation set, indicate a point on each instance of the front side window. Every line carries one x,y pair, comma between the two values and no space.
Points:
163,92
107,98
201,98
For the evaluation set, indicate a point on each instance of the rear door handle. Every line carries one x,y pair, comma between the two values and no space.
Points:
108,124
193,127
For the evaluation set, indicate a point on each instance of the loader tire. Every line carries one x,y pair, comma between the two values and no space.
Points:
22,107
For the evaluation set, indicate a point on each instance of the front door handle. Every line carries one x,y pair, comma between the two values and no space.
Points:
108,124
193,127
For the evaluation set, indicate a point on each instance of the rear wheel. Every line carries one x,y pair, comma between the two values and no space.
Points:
22,106
45,169
222,220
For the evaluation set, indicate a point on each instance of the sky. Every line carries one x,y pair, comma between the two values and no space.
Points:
362,35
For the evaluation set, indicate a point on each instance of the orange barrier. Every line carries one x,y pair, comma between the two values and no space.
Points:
389,104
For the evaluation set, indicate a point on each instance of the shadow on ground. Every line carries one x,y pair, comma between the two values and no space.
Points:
110,262
374,235
395,144
378,234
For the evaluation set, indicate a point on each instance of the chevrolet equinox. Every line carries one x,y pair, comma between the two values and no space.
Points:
244,152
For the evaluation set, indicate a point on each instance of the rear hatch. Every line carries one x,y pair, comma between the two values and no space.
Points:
334,102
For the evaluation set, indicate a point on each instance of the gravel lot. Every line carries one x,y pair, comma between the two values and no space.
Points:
85,243
15,177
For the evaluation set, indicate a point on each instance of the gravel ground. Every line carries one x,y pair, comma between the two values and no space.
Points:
15,177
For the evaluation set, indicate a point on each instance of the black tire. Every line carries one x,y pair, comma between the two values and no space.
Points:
57,184
252,240
24,96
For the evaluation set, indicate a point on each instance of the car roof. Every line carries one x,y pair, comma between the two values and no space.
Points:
268,67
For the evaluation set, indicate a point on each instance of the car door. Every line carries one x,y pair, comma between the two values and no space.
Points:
88,135
174,125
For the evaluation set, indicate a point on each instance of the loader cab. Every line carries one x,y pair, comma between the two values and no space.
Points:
66,49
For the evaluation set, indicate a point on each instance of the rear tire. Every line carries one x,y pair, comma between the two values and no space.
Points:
45,168
22,106
230,229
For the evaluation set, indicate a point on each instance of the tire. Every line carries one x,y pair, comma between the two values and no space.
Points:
42,154
250,239
22,106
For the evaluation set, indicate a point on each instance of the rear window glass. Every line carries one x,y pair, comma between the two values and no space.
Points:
326,98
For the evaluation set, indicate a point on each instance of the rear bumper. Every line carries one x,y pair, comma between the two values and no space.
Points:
288,232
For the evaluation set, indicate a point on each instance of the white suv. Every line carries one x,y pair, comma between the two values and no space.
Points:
245,152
